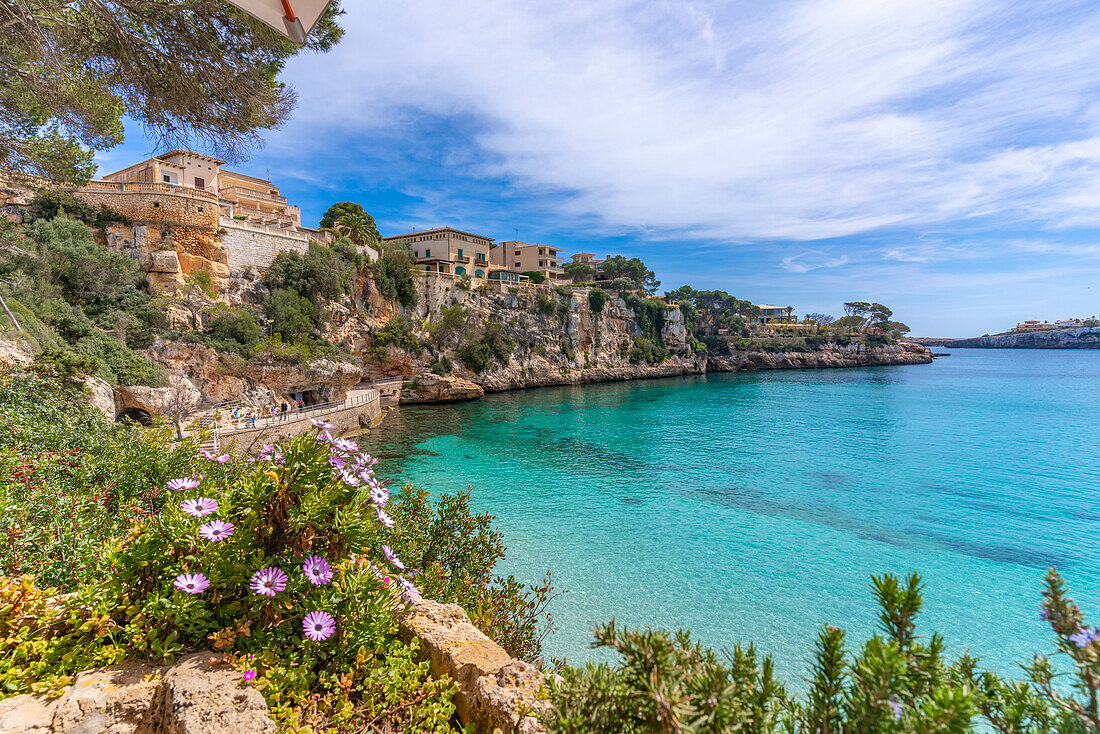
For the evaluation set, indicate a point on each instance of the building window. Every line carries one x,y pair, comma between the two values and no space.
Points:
200,183
517,265
479,273
156,204
460,270
428,253
200,210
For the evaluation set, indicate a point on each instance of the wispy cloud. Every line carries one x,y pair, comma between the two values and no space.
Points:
809,260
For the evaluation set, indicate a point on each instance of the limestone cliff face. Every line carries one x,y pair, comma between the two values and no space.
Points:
558,339
833,355
1084,338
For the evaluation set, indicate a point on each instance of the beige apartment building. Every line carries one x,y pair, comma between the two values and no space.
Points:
242,198
448,250
523,257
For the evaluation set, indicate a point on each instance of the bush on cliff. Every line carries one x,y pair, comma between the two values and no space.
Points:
291,314
319,274
478,354
393,275
234,329
897,681
597,299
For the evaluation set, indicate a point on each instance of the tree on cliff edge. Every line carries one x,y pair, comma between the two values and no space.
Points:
186,70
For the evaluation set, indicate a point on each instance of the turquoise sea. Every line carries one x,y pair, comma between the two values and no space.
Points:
756,506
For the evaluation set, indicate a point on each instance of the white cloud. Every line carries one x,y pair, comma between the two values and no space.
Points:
739,120
804,262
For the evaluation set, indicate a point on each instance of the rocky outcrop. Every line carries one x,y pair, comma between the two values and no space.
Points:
495,690
1083,338
197,695
102,396
219,377
428,387
14,353
853,355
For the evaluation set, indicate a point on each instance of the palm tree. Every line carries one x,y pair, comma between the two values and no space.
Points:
790,310
356,227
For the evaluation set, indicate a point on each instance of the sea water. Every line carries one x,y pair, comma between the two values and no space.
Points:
756,506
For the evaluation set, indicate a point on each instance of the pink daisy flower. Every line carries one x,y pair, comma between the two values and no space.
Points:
192,583
408,592
317,570
216,530
345,445
210,457
249,676
318,626
384,518
322,425
389,554
199,507
182,484
268,581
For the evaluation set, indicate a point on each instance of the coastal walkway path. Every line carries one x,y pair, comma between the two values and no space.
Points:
362,408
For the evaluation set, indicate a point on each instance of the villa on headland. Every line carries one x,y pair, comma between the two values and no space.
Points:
522,257
1036,325
187,215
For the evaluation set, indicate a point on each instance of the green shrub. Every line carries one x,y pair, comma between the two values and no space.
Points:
535,276
393,276
895,682
452,320
235,329
399,332
544,304
319,274
291,314
649,351
200,281
65,365
476,355
48,204
120,364
597,299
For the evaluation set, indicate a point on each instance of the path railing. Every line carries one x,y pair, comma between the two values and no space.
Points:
222,423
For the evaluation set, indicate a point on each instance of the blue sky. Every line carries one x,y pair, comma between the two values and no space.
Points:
942,157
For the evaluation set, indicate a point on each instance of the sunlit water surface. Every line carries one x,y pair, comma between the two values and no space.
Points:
756,506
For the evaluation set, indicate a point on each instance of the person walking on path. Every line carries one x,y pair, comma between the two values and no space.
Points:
282,410
236,417
301,406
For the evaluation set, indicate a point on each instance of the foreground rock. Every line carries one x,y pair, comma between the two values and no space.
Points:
191,697
495,690
428,387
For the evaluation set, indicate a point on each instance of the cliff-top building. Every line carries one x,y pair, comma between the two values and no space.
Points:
189,215
523,257
448,250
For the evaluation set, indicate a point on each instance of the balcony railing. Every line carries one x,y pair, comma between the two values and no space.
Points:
462,259
115,187
289,232
245,193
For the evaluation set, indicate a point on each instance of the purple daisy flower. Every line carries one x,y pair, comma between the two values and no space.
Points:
268,452
192,583
210,457
199,507
384,518
1044,614
336,462
318,626
345,445
216,530
268,581
392,558
408,592
379,496
317,570
892,702
365,461
324,437
322,425
349,478
182,484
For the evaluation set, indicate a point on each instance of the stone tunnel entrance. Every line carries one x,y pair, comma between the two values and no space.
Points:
135,415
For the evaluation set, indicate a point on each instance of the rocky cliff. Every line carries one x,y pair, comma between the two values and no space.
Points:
1084,338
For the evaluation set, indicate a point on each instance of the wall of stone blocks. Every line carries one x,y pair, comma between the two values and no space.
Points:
248,247
156,206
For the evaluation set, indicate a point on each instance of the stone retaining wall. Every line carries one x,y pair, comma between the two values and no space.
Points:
249,247
155,206
496,691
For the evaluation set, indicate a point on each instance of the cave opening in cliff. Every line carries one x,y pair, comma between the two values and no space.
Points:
309,396
135,415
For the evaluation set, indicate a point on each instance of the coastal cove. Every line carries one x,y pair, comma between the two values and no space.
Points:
755,506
